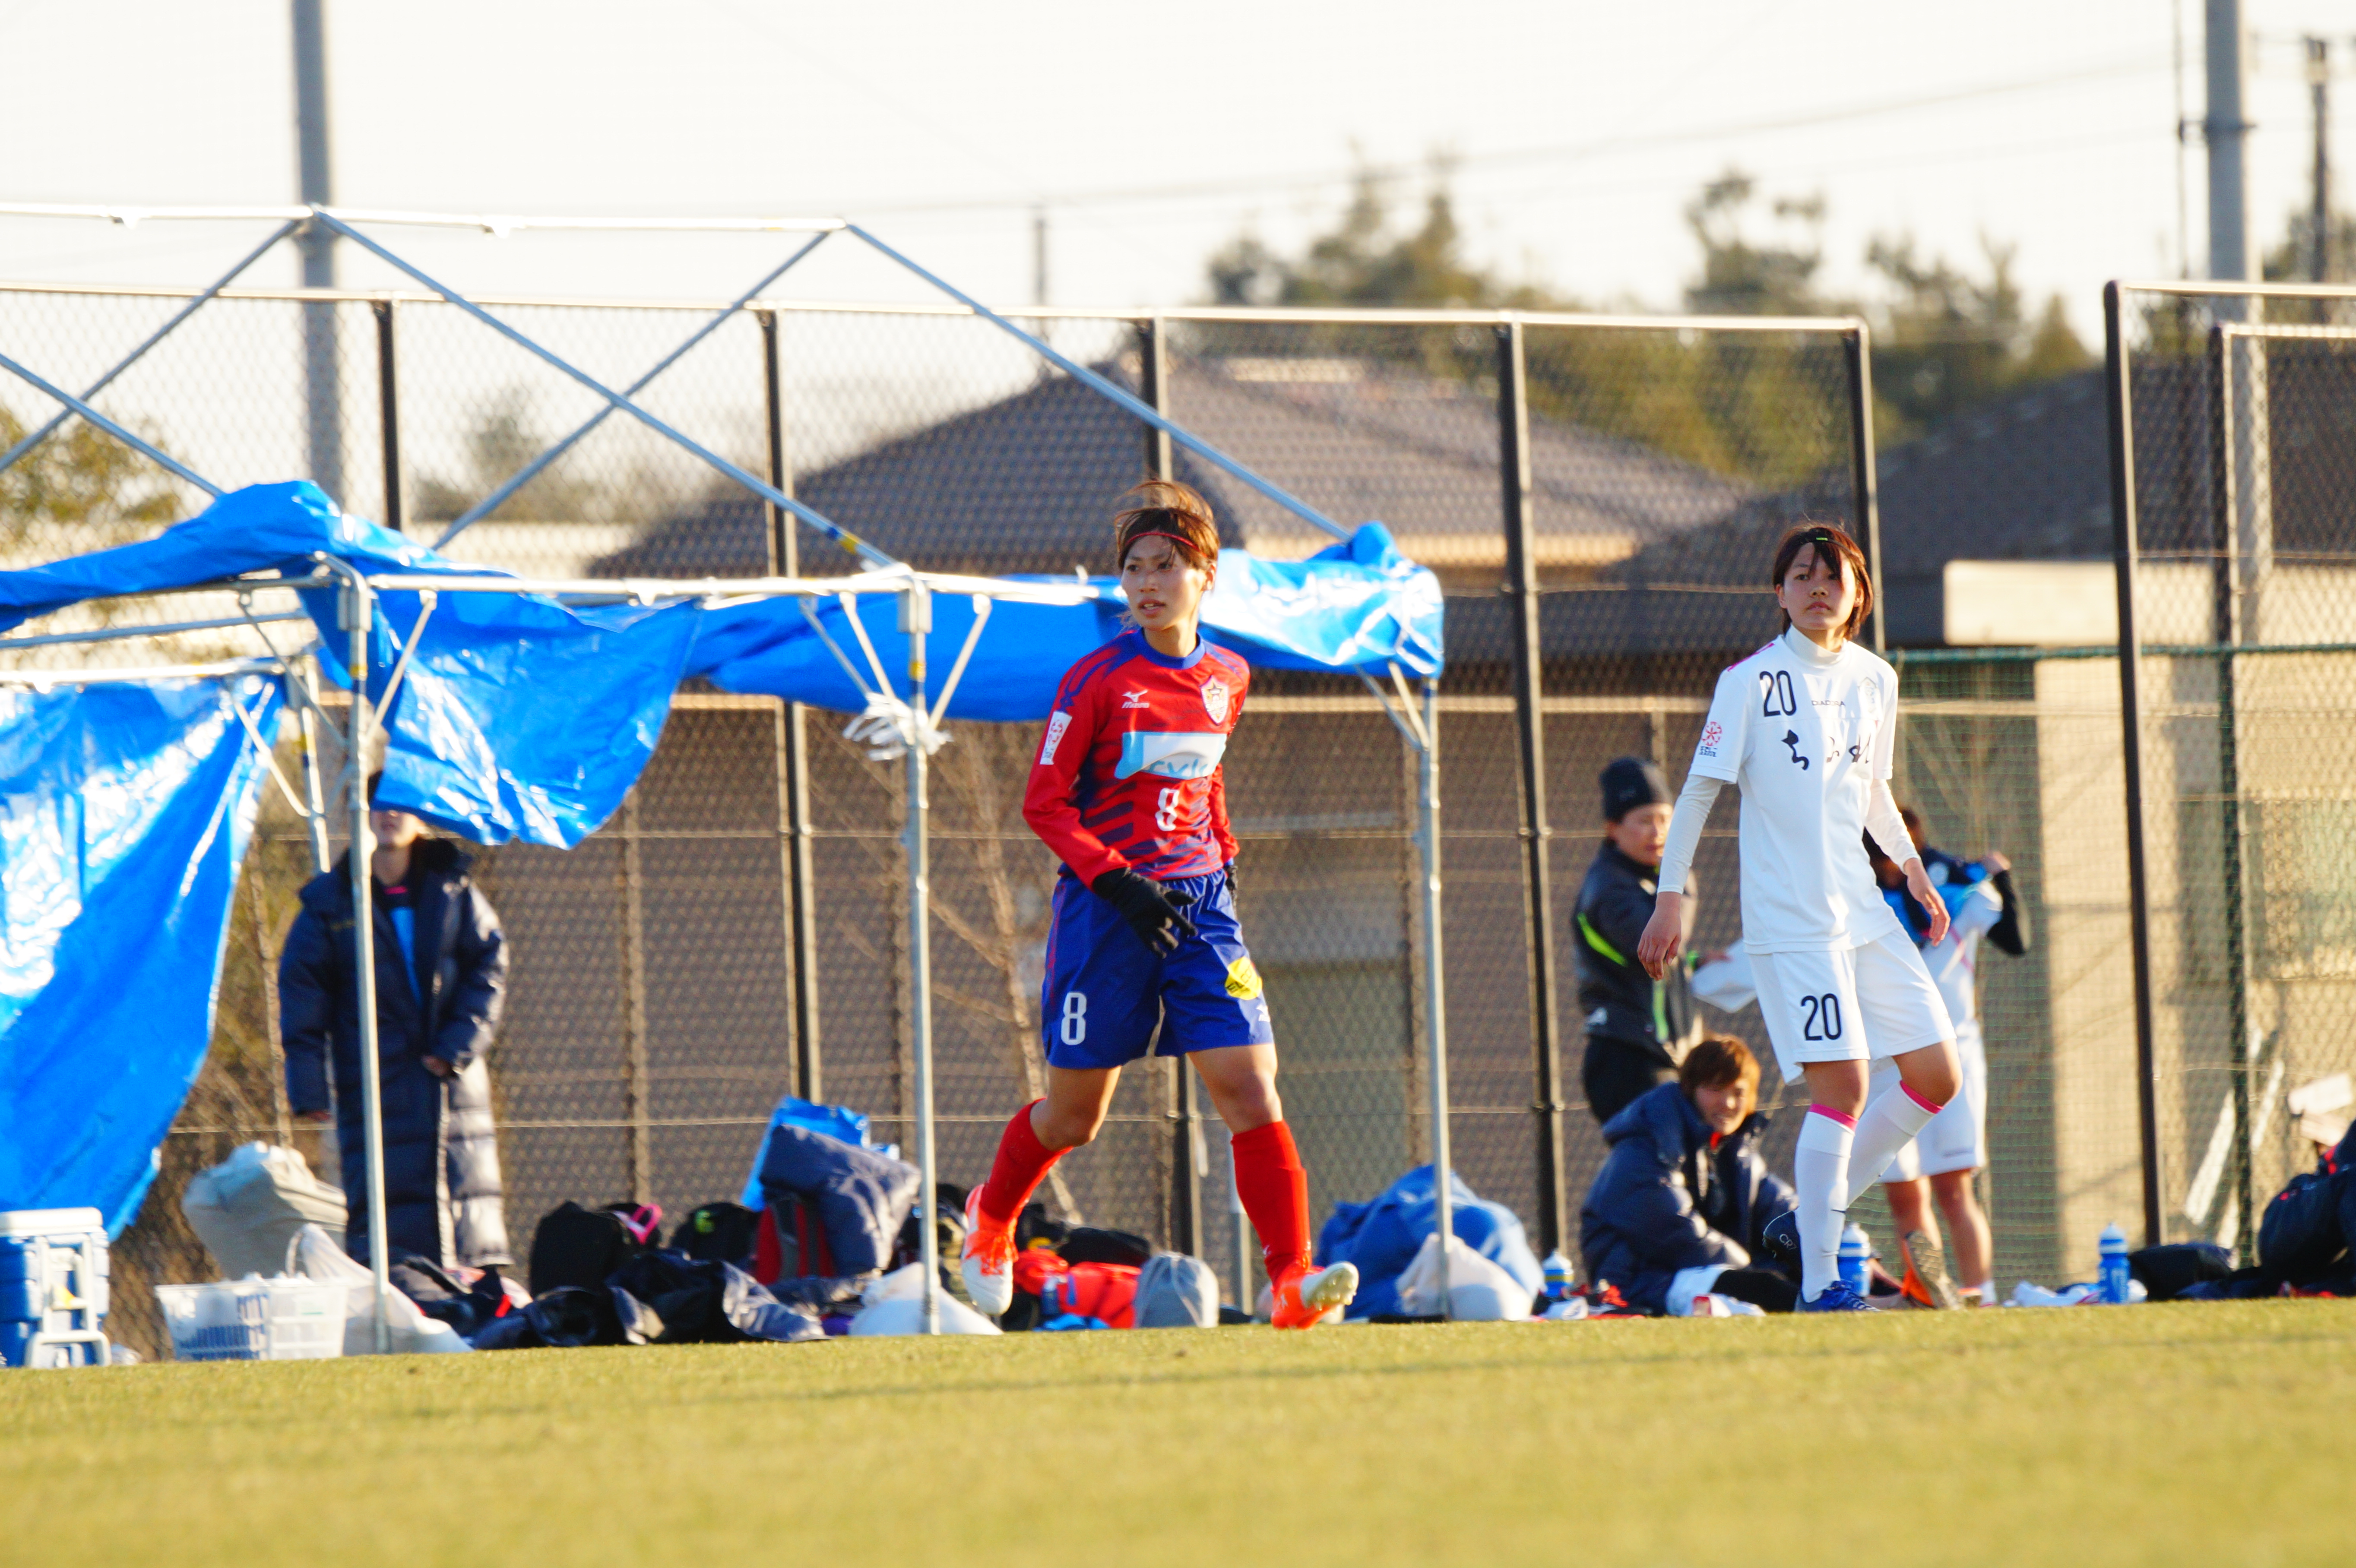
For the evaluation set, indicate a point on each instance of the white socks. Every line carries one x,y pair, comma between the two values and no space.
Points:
1888,1124
1821,1164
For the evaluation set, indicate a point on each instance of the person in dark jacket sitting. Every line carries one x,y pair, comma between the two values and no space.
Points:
441,980
1681,1201
1638,1029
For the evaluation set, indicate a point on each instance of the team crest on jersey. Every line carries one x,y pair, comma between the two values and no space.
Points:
1215,699
1243,980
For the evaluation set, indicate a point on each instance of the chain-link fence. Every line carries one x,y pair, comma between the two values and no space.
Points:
2234,419
655,989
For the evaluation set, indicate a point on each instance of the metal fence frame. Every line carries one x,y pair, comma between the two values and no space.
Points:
2226,649
1521,586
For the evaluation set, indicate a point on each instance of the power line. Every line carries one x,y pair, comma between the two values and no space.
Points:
1321,179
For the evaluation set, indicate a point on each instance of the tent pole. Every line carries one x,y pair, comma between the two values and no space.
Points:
314,796
915,620
1435,1023
356,616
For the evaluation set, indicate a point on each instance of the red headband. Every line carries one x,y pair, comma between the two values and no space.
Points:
1158,534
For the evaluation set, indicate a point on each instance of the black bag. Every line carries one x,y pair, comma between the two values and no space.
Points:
666,1298
578,1247
465,1307
718,1233
2169,1272
563,1319
1092,1244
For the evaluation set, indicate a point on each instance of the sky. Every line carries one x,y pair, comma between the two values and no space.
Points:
1150,136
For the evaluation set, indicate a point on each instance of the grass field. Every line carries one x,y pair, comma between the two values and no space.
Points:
2215,1435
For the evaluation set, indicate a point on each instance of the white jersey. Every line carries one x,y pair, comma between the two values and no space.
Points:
1954,962
1805,735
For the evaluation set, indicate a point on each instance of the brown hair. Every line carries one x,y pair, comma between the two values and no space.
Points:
1824,537
1716,1061
1166,508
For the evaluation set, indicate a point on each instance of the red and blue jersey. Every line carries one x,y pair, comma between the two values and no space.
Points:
1128,775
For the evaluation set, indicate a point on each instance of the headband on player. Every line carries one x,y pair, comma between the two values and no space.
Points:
1158,534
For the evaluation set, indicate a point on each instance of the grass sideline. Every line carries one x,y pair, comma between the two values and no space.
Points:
2213,1434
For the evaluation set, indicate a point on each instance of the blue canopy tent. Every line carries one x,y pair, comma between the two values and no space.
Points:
515,709
125,806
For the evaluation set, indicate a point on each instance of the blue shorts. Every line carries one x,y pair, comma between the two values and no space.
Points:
1106,991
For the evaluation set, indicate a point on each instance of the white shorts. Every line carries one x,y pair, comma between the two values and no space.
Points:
1957,1139
1848,1004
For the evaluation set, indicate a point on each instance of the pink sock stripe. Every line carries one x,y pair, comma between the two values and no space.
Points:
1843,1117
1930,1106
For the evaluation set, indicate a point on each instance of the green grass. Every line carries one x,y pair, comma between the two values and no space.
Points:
2212,1435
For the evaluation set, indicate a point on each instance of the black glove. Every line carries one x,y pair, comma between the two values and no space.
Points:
1232,883
1148,907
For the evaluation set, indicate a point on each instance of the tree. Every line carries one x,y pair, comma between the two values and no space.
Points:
1742,278
80,478
1768,410
1944,341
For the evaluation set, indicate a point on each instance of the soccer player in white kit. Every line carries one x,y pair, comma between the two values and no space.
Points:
1808,728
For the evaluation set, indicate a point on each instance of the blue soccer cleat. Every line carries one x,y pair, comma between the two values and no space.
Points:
1838,1297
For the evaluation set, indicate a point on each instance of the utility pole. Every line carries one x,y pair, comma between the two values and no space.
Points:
2227,133
323,402
2319,84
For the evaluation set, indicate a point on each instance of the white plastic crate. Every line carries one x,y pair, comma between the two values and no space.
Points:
254,1319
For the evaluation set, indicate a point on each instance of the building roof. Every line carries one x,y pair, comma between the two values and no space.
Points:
1025,483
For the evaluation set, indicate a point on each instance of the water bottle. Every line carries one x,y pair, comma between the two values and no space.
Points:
1558,1276
1856,1253
2114,1277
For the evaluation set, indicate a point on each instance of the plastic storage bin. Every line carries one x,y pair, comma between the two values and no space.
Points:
254,1319
53,1288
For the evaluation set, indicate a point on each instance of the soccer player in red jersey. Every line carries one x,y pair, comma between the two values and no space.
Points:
1127,790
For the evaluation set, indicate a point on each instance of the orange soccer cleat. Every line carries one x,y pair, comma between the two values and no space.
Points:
988,1262
1307,1297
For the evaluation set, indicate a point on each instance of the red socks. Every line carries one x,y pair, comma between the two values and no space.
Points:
1274,1187
1021,1164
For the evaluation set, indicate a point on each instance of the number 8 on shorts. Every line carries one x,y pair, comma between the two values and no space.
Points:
1076,1017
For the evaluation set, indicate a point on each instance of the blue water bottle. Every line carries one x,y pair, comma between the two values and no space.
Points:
1856,1253
2114,1277
1558,1276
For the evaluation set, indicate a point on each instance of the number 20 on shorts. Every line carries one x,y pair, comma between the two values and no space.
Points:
1822,1018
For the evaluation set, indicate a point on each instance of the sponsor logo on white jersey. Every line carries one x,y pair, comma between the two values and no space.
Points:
1215,699
1181,756
1056,727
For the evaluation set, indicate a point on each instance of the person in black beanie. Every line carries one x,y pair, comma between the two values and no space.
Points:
1638,1029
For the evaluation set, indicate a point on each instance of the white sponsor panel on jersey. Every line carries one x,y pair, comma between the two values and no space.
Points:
1056,727
1178,756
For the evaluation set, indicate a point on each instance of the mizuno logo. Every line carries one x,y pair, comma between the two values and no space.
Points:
1134,699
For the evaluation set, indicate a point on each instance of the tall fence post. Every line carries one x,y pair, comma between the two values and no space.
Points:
388,407
1187,1155
2124,550
793,747
2225,629
1865,505
1522,593
638,1115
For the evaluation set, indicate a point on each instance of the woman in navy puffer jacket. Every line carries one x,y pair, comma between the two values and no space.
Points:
1685,1188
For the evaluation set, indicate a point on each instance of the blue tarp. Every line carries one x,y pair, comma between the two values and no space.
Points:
124,811
522,718
1382,1237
